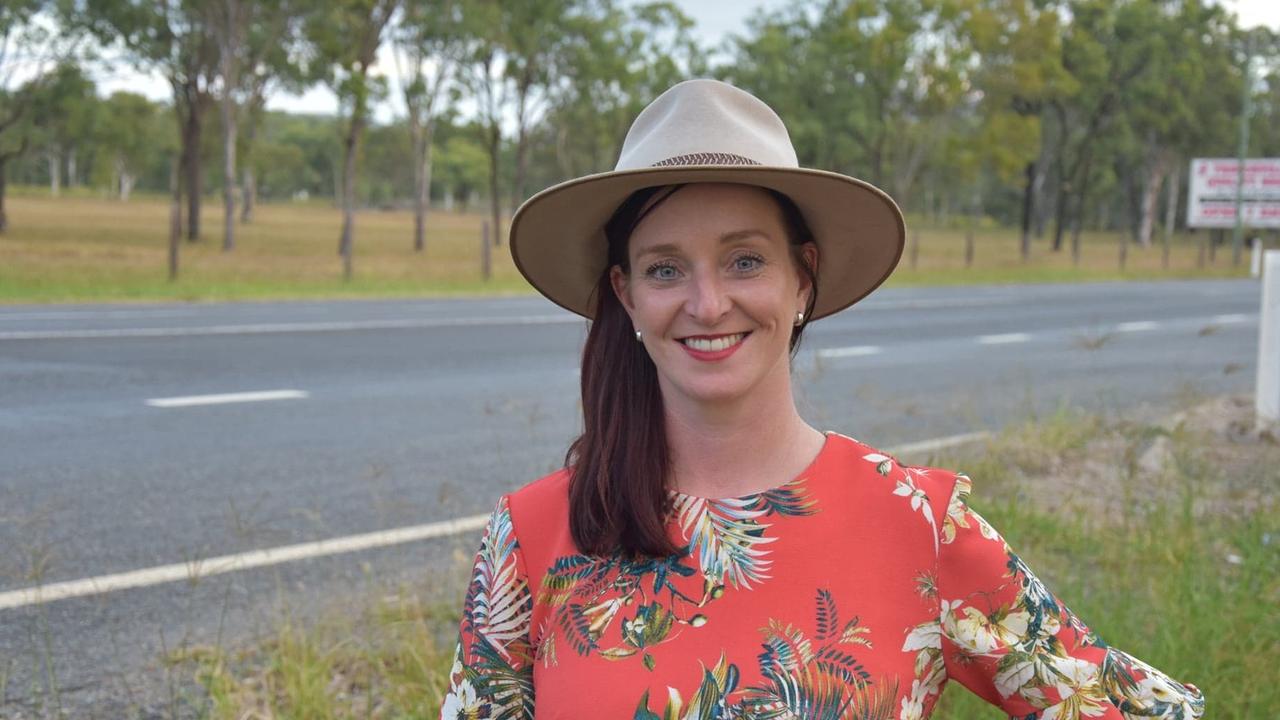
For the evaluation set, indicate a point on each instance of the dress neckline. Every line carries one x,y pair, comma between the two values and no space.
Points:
827,443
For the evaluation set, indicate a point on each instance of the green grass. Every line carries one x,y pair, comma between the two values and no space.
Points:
84,248
1179,566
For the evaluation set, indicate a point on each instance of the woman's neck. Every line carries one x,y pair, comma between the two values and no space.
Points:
738,449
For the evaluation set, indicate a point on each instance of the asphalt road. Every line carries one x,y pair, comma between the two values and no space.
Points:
401,413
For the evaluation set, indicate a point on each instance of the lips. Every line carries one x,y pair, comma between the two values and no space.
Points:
713,343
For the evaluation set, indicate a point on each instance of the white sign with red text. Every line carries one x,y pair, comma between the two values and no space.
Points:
1211,200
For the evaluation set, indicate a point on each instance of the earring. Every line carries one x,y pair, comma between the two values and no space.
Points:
638,336
799,319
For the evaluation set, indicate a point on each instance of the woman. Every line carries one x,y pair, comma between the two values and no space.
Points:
705,553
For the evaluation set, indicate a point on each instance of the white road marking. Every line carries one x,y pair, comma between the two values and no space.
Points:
92,314
207,567
1137,326
855,351
1230,319
234,563
1003,339
298,327
224,398
940,443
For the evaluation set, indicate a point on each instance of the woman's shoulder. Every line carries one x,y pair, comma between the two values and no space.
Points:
545,493
935,485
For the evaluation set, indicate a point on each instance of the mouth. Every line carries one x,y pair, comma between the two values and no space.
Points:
712,343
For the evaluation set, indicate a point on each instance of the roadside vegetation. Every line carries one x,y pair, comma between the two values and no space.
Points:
83,248
1165,538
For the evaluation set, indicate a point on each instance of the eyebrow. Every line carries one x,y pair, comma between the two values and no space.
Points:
729,237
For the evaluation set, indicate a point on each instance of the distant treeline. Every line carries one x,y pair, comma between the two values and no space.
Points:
1051,115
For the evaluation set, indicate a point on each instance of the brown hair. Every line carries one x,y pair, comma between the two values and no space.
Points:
618,499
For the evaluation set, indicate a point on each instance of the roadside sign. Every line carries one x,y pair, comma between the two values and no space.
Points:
1211,199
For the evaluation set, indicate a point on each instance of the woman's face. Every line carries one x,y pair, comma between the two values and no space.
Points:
714,290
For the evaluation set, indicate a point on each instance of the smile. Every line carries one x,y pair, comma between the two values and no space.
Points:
713,344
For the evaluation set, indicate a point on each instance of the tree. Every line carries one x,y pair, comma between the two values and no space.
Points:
229,20
24,43
172,37
129,128
64,108
428,44
347,35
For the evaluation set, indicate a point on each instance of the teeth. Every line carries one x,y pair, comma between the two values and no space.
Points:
716,345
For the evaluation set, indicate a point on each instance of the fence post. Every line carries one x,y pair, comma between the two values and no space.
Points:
1267,400
968,247
1124,249
1255,259
485,269
915,249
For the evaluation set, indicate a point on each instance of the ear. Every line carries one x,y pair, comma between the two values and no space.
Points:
809,251
621,283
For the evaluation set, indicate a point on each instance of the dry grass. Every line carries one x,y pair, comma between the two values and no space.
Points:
85,248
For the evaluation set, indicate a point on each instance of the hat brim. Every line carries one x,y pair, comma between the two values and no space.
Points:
558,241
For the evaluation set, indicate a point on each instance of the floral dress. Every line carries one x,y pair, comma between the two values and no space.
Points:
856,590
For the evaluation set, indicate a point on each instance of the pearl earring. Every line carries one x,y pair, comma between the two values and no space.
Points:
799,319
638,336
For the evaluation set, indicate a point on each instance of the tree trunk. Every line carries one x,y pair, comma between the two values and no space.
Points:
228,156
1028,206
55,173
351,146
191,165
1060,215
72,171
175,210
422,190
1150,197
495,198
248,195
1172,181
4,182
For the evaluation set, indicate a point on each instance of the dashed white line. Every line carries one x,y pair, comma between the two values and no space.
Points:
300,327
1137,326
233,563
224,398
1003,339
1230,319
202,568
854,351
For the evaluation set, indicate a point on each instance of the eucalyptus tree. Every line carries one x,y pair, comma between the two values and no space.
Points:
346,36
130,132
428,42
173,38
1018,48
26,45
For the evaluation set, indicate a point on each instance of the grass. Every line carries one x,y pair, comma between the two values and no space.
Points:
82,248
1165,539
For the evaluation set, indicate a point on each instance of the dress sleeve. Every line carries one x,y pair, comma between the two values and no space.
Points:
1011,642
492,673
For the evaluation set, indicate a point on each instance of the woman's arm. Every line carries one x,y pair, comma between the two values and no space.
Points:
493,664
1010,641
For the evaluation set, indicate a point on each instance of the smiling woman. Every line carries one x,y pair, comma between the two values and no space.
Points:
705,552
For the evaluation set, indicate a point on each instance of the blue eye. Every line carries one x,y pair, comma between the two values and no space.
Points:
747,263
661,271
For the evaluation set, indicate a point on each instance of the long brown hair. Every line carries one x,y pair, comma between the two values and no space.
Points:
618,500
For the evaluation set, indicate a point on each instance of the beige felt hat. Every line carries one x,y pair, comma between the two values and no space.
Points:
707,131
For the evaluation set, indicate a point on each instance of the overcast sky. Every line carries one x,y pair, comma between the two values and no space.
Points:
716,20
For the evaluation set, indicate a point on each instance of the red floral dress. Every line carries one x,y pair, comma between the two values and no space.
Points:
856,590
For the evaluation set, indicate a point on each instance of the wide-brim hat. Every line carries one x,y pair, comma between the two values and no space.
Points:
707,131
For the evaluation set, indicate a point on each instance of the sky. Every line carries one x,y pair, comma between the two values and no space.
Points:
716,20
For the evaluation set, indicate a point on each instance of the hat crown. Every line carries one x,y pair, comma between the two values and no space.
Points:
706,122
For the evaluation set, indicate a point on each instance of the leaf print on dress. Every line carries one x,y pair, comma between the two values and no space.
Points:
818,677
906,486
726,537
492,668
1037,654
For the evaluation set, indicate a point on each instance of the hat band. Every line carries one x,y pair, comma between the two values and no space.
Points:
706,158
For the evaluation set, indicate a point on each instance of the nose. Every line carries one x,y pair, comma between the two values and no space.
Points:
708,301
